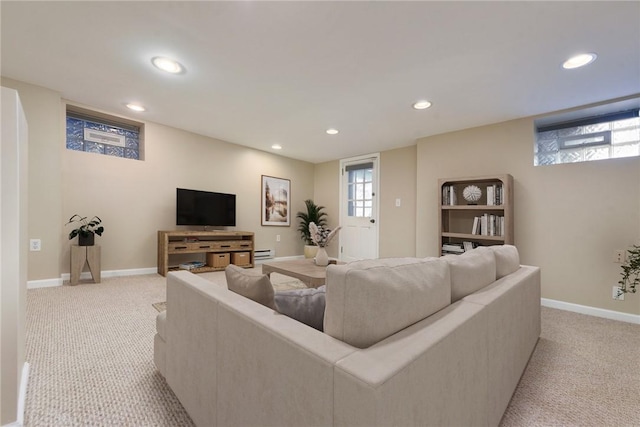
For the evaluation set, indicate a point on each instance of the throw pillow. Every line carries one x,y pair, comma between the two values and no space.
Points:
303,305
507,259
251,285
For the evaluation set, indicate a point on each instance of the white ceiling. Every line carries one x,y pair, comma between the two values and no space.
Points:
260,73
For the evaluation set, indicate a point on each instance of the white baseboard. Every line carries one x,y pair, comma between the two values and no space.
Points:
591,311
34,284
22,396
46,283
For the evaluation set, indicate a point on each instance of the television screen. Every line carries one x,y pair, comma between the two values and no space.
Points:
194,207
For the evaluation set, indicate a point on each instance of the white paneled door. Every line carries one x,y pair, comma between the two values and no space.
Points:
359,208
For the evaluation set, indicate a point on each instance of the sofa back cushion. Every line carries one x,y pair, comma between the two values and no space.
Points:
507,259
367,301
471,271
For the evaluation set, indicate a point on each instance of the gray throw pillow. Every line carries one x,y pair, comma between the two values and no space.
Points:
250,285
303,305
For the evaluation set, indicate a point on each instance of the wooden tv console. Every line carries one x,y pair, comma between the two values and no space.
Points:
235,244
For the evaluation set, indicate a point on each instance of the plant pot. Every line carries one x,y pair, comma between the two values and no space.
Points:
310,251
86,240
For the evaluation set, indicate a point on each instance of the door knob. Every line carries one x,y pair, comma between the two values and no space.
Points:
372,221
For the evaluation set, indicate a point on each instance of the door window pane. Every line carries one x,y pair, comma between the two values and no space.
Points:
360,190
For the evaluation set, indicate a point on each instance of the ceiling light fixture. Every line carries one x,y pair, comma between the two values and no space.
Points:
579,61
136,107
167,64
276,147
332,131
421,105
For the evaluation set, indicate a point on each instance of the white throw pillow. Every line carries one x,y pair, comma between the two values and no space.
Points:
251,285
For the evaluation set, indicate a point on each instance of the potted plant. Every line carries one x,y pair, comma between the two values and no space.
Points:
630,272
87,229
313,214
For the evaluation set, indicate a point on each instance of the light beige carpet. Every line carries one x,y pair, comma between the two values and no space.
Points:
91,353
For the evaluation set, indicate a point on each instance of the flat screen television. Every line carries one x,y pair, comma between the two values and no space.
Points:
194,207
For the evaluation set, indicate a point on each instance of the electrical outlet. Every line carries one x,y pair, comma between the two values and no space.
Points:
616,294
398,202
277,237
618,256
35,245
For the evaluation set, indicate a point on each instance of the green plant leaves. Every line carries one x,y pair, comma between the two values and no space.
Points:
315,214
631,272
86,227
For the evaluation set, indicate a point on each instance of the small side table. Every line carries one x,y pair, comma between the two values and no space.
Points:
81,255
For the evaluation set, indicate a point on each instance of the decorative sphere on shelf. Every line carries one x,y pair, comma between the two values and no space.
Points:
471,193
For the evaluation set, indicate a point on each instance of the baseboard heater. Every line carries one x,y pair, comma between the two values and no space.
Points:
262,254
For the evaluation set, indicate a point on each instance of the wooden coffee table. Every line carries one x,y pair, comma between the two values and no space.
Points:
302,269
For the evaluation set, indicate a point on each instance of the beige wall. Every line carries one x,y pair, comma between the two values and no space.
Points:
397,223
42,108
135,199
569,219
327,193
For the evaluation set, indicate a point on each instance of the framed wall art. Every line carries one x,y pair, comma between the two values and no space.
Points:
276,199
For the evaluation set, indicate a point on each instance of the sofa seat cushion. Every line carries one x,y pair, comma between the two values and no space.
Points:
303,305
161,324
471,271
254,286
367,301
507,260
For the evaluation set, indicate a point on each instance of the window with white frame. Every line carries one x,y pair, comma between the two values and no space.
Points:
605,136
101,134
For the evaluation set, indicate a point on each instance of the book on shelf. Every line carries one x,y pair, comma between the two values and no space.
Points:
488,225
458,248
495,194
191,265
475,228
469,246
452,247
449,195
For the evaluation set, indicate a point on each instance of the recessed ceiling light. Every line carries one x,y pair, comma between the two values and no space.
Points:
332,131
167,64
276,147
579,61
136,107
421,105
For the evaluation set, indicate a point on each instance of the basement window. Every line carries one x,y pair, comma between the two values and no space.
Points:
604,136
99,133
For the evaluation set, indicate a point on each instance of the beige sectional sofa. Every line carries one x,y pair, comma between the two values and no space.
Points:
428,342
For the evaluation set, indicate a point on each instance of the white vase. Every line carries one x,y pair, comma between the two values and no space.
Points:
310,251
322,259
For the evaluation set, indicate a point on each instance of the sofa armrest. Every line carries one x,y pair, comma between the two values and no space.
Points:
431,373
513,307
